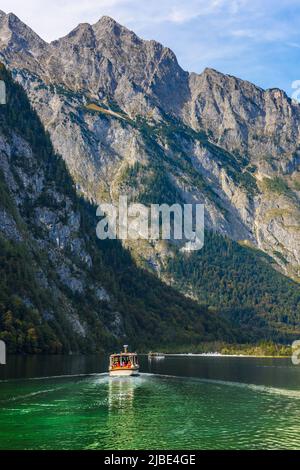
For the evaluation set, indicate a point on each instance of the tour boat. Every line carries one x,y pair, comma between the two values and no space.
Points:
123,364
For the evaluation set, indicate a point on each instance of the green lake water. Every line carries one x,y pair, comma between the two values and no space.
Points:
176,403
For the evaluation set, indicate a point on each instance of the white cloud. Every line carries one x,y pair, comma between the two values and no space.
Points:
54,18
259,35
184,12
293,44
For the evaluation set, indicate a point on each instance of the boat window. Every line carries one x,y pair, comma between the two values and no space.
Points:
116,361
125,361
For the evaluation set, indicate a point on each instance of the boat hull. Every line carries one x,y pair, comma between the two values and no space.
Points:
123,372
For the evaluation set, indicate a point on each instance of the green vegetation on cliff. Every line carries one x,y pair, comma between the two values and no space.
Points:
35,305
242,284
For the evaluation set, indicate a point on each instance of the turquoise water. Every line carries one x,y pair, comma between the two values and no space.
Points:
156,410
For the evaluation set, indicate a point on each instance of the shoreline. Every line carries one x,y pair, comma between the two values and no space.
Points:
217,355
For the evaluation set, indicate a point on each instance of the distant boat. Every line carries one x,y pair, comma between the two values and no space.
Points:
156,355
124,363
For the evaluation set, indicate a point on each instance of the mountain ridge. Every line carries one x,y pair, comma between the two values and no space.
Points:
61,290
172,135
145,81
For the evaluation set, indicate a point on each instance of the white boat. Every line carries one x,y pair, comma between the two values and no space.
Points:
155,355
123,364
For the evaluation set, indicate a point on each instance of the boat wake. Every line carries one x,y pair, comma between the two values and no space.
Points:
290,393
68,376
30,395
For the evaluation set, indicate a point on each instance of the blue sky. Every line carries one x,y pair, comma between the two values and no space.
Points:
257,40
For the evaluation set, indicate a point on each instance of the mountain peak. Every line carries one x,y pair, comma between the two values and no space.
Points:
18,26
14,20
106,23
17,37
109,22
83,34
211,71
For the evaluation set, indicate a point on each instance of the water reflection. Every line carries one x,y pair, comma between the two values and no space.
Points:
279,373
120,393
121,418
154,361
49,366
155,411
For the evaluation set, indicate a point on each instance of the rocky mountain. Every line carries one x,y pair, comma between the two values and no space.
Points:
61,290
98,89
128,120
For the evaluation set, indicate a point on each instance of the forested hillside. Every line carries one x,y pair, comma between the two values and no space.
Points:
61,289
242,283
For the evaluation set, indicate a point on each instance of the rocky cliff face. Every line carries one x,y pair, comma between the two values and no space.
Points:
121,112
61,290
46,258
